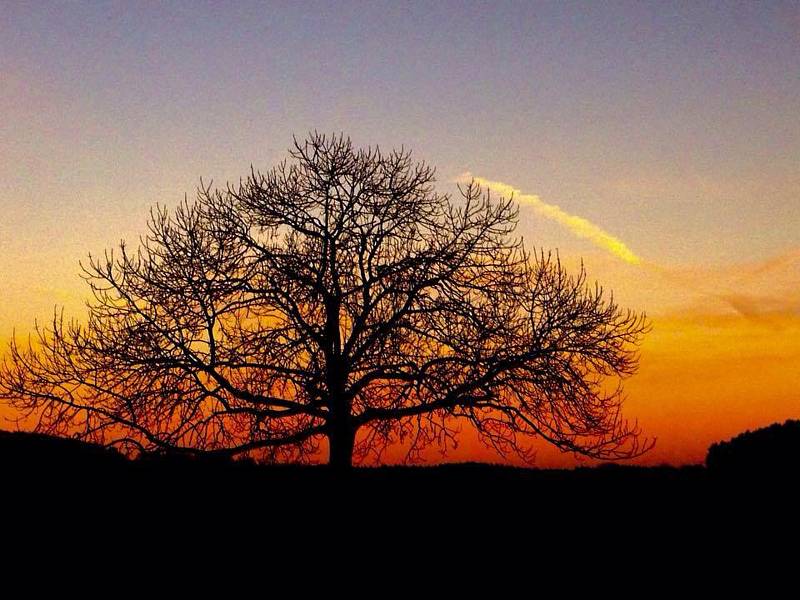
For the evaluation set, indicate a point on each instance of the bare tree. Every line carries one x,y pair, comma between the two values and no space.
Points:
337,297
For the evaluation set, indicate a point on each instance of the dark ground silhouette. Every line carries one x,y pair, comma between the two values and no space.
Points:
74,488
771,452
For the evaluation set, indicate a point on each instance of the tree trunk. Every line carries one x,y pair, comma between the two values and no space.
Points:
341,432
341,440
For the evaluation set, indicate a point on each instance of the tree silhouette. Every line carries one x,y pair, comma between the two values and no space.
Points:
337,297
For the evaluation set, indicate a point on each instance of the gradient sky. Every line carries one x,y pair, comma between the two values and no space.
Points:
674,127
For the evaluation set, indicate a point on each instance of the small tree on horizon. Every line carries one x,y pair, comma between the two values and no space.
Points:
336,297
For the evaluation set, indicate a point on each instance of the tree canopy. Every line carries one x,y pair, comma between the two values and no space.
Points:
336,300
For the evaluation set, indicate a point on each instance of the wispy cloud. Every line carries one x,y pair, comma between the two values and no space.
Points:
765,290
577,225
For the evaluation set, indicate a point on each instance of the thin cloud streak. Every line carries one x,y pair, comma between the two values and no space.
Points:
577,225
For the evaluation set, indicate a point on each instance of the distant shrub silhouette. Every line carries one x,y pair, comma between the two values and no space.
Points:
20,450
769,449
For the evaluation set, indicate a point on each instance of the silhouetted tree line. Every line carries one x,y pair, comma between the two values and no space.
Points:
775,448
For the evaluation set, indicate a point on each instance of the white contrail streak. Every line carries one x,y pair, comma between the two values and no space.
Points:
577,225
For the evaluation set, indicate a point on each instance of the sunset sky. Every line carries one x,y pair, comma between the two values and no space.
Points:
658,141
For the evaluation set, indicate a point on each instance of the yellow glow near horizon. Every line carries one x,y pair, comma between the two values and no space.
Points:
577,225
